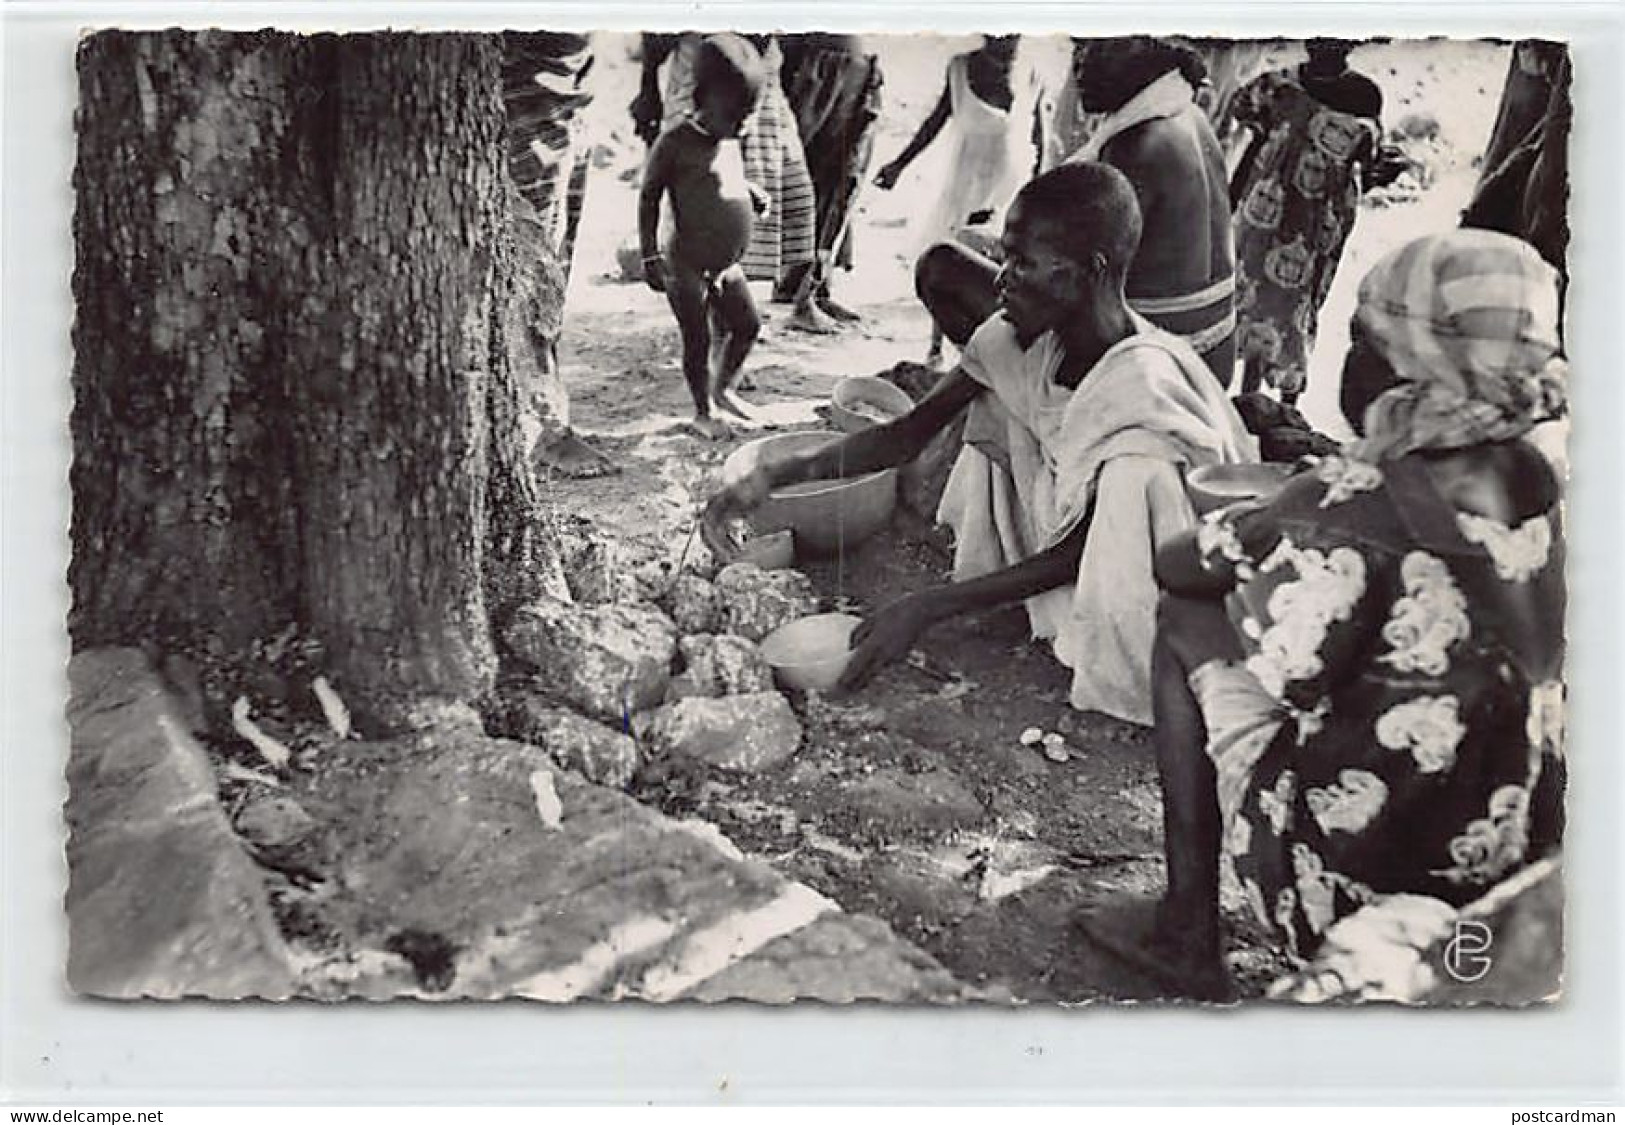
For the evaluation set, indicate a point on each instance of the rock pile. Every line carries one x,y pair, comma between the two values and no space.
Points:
648,661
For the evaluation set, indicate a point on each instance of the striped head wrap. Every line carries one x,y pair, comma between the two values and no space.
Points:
1468,320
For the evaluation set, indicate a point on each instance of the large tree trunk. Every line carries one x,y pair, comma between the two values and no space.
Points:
293,292
189,225
394,459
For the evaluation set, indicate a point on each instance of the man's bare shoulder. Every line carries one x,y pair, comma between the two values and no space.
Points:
1155,146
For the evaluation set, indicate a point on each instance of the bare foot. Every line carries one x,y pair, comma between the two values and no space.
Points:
570,456
728,401
1141,934
810,318
837,310
712,429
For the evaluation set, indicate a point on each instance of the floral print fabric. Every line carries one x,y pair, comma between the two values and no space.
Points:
1414,655
1292,219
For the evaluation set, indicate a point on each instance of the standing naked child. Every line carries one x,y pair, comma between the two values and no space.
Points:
698,161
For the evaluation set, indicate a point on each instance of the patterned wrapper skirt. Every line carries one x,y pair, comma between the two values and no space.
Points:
774,161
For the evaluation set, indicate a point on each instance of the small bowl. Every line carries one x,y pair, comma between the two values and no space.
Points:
810,654
827,516
1217,486
773,551
862,401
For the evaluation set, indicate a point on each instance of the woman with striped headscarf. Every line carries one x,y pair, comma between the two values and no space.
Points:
1358,684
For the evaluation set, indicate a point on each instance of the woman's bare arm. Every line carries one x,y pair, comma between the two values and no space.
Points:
927,132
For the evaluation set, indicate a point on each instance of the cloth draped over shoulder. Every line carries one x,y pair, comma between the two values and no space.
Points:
1040,457
1166,97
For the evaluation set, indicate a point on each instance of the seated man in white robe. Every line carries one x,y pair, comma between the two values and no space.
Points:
1085,418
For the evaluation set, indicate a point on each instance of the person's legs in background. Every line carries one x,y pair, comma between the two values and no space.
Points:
959,288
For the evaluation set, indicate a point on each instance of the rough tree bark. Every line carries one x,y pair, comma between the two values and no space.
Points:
189,218
293,287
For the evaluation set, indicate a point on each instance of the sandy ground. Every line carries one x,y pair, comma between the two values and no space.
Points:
913,799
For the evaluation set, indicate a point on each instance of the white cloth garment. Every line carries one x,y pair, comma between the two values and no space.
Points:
1039,457
990,153
1168,96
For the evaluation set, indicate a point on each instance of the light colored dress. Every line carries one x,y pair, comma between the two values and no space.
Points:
990,152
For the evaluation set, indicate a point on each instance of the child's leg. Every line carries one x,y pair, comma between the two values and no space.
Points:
736,313
686,293
719,336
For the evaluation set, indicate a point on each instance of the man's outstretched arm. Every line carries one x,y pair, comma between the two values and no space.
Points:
887,445
879,447
892,631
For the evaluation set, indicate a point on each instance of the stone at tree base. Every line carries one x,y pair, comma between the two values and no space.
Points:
607,661
735,732
162,900
594,750
617,901
755,601
629,259
598,569
693,604
724,664
273,822
391,716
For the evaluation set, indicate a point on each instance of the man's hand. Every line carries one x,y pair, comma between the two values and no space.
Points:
735,499
886,637
654,272
886,179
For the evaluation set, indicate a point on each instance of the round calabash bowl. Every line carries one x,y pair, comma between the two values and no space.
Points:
1216,486
810,654
861,401
828,517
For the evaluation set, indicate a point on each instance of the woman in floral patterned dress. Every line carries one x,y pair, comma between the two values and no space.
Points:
1316,133
1372,660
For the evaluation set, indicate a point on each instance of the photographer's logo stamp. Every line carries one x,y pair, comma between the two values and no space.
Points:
1466,956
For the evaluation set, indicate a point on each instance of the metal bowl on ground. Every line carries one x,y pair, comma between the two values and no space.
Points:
861,401
827,516
1218,486
810,654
